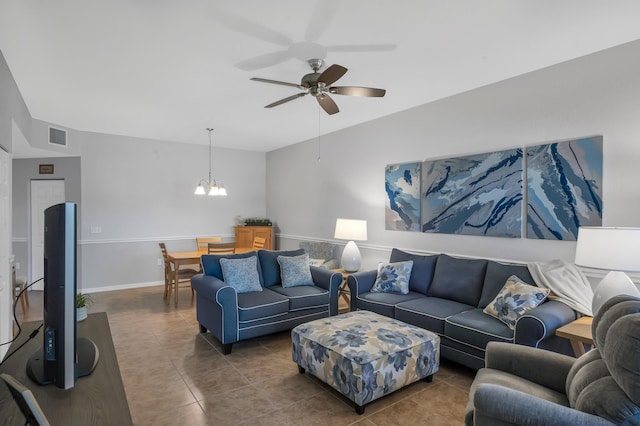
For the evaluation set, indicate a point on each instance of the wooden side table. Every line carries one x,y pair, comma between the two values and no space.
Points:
344,292
578,332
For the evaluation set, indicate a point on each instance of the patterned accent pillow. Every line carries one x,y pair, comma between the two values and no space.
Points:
294,270
393,277
514,300
241,274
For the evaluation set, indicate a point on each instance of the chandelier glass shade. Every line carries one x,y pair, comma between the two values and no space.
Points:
210,186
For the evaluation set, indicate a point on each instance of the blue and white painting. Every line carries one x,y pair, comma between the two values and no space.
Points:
564,182
402,185
474,195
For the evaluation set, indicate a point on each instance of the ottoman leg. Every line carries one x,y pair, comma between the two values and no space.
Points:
359,409
300,370
429,378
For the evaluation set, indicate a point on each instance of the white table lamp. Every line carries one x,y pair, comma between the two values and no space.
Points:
351,229
614,249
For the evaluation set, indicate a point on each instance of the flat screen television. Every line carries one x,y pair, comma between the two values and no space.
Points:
63,357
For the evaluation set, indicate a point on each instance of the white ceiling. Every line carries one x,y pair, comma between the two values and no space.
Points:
167,69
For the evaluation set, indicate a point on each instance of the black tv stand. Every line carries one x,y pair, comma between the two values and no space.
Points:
87,355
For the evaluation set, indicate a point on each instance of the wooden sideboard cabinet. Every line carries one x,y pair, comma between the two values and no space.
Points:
245,235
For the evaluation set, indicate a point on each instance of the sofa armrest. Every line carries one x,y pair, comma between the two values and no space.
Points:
494,404
216,307
542,322
359,283
546,368
328,280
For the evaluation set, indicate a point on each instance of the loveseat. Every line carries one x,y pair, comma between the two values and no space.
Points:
447,295
241,296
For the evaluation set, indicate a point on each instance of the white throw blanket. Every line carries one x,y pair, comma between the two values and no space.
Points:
567,283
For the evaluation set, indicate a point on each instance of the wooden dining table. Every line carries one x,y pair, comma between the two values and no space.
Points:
180,258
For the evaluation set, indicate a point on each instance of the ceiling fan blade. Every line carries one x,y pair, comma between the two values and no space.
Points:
284,83
361,48
290,98
332,74
263,61
371,92
327,104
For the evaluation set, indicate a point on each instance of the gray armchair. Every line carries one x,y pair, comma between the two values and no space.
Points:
521,385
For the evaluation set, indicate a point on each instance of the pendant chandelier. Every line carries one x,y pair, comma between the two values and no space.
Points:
210,186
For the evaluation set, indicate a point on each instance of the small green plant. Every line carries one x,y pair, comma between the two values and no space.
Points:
83,300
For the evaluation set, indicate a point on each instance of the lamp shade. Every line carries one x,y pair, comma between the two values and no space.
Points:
613,249
351,229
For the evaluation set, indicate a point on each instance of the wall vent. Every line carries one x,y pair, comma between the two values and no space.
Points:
57,136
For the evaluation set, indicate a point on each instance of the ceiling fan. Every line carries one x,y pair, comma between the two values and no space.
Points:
319,85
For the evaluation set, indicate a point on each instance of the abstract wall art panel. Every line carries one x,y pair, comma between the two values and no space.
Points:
474,195
564,181
402,185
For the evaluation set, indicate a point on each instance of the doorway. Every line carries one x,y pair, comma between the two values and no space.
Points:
44,194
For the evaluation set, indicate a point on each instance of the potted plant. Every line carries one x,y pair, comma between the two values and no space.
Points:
82,301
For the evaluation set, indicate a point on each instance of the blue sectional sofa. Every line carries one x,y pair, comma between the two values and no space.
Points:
447,296
231,316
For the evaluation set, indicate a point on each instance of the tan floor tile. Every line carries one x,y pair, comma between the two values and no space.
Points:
191,415
236,406
208,383
287,390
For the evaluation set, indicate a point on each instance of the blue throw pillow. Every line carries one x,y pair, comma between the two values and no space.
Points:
393,277
294,270
514,300
241,274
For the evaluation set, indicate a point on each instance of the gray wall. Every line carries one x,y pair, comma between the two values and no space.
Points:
596,94
26,170
140,192
12,108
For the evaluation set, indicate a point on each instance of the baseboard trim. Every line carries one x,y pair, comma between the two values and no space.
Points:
121,287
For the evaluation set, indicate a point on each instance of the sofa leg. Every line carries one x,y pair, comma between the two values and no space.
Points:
203,329
226,348
429,378
359,409
301,370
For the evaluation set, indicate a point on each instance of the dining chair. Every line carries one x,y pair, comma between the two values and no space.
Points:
184,275
222,248
204,241
258,243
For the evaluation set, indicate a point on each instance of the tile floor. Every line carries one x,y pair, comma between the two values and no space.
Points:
174,375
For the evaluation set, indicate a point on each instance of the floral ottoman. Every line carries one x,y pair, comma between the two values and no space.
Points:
364,355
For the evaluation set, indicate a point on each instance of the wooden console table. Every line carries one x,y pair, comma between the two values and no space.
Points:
98,399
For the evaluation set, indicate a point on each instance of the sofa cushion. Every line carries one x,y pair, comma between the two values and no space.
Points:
294,270
384,303
457,279
211,263
495,277
514,300
429,312
241,274
303,297
270,266
423,268
476,329
262,304
393,277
